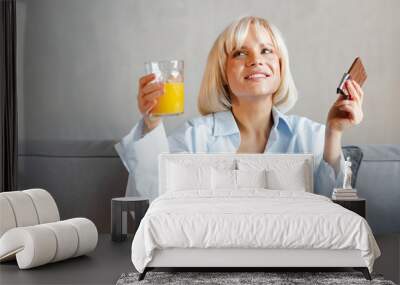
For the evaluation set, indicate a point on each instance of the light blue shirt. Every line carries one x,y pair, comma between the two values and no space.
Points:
216,133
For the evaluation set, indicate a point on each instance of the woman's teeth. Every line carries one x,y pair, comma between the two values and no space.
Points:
256,76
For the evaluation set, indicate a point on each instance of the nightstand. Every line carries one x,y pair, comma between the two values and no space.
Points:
120,209
358,206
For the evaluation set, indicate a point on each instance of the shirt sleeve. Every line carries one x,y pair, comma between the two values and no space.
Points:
328,177
139,153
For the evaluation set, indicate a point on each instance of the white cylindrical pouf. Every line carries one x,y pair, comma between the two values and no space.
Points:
34,246
23,208
67,239
7,218
87,233
45,205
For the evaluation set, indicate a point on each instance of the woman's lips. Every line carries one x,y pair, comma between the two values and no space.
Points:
257,76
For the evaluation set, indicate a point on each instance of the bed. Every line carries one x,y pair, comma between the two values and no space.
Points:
247,210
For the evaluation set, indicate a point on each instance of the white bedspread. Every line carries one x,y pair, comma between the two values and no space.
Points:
251,218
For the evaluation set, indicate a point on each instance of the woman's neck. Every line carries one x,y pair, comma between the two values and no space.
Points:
253,115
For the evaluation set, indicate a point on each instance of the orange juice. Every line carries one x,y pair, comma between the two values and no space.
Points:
172,101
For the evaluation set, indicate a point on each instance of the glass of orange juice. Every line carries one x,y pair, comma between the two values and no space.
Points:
170,72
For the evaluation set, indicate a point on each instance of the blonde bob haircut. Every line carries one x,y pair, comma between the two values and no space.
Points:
214,95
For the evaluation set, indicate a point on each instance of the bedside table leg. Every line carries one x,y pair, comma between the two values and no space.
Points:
116,221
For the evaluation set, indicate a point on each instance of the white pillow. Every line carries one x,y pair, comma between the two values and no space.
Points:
223,179
293,179
188,177
282,173
229,179
251,178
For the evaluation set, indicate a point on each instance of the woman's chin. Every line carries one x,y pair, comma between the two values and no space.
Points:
253,96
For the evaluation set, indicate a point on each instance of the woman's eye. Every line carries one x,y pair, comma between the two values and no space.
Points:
266,50
242,53
238,53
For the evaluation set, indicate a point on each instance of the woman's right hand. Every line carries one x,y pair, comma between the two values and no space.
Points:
147,98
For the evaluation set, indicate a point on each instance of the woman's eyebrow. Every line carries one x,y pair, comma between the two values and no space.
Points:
268,44
261,45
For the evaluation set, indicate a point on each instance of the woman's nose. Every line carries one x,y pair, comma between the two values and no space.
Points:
254,60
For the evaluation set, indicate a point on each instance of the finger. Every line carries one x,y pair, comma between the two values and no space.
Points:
349,110
146,79
147,106
153,95
359,90
145,101
345,103
346,108
150,106
152,87
352,109
344,95
352,90
342,98
342,103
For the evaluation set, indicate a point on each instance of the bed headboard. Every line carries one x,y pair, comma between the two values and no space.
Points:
235,161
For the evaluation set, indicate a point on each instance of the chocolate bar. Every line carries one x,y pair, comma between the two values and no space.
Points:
356,72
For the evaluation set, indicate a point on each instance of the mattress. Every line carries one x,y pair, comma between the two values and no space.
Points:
250,219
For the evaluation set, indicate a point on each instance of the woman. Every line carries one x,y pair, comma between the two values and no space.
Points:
247,86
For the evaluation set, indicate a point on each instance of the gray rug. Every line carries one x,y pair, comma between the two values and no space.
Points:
229,278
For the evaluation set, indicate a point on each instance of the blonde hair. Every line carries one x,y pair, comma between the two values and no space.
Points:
214,95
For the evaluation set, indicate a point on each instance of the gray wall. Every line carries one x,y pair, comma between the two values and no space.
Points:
81,59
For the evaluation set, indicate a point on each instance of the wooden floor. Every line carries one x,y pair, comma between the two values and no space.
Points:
111,259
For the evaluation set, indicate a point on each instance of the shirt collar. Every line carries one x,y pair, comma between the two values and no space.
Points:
282,120
225,124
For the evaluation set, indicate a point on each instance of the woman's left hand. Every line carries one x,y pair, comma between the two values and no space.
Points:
346,112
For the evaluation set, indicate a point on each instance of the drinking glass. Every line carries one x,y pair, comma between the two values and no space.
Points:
170,72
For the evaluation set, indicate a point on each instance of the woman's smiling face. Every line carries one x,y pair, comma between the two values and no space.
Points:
254,69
